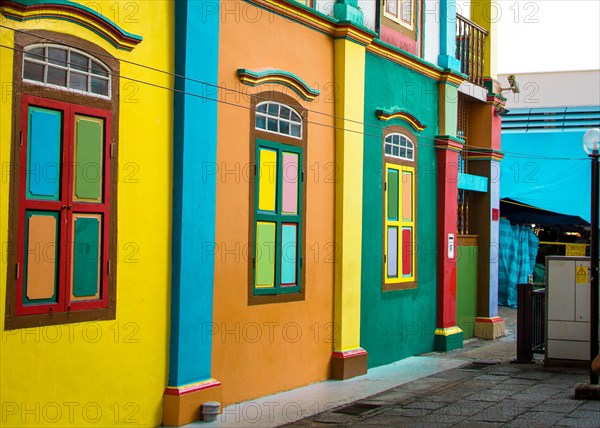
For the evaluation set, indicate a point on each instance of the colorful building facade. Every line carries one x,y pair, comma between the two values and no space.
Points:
276,199
86,136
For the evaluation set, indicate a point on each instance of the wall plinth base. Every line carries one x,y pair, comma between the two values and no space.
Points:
182,405
447,339
348,364
489,328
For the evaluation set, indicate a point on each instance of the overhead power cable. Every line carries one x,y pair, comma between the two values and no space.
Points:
471,149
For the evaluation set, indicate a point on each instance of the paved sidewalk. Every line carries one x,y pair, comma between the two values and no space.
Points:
475,395
289,406
475,386
486,391
502,349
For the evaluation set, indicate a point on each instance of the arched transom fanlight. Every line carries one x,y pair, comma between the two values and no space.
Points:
399,146
66,68
278,119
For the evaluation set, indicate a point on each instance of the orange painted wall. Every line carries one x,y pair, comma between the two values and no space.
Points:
261,353
484,126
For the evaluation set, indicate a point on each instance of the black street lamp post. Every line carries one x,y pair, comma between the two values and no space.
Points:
591,145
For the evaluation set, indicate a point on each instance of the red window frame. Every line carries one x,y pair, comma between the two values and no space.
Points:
65,206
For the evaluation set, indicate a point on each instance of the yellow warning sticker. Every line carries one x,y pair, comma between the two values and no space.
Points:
575,250
581,274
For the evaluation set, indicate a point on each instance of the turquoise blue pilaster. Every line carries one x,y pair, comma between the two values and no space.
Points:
194,190
447,58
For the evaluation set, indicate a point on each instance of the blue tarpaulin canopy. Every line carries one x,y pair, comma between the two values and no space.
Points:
547,169
517,212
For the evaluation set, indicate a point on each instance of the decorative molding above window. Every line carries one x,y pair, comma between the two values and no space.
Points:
65,10
278,119
63,67
255,78
403,114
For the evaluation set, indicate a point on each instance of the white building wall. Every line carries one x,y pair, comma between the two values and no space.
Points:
325,6
463,8
554,89
368,7
432,31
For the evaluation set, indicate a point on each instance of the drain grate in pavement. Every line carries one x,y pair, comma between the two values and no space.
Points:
478,365
356,409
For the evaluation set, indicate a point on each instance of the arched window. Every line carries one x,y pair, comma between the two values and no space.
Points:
399,270
399,146
66,114
278,119
278,145
66,68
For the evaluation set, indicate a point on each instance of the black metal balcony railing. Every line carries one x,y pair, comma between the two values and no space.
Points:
470,48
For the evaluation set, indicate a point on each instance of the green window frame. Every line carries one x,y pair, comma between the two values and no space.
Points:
277,192
277,262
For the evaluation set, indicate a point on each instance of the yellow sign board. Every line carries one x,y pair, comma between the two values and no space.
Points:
575,250
581,273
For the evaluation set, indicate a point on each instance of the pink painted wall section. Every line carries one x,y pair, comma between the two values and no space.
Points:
399,40
496,128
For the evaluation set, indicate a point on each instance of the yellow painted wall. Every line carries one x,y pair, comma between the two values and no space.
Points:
108,373
296,342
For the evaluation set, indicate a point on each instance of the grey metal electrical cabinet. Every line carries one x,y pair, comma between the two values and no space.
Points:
567,308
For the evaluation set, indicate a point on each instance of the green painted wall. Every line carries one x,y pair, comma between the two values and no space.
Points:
466,289
398,324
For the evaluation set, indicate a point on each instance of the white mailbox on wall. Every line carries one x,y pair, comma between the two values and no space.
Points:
567,308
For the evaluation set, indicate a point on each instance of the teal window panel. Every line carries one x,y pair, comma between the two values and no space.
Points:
289,254
43,154
86,257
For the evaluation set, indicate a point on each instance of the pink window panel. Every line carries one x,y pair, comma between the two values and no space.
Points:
407,256
290,183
